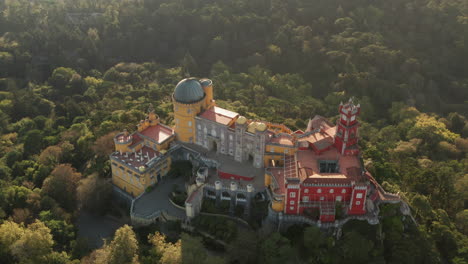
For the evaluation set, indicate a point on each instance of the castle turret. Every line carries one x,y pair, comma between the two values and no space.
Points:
207,85
122,141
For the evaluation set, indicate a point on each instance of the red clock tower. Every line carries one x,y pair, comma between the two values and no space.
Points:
346,136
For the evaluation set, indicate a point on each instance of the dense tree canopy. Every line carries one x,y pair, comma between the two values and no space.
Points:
72,73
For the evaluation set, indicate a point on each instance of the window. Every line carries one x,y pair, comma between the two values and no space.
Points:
339,198
358,202
272,149
359,195
286,150
343,191
343,116
189,123
322,198
328,166
177,121
353,118
319,191
331,190
189,111
230,137
339,133
291,208
199,126
305,198
306,191
292,202
292,194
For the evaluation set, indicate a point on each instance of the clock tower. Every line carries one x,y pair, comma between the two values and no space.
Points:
346,136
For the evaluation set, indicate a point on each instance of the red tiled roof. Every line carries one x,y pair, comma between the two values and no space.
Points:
282,140
219,115
309,172
158,133
192,195
319,122
136,139
278,174
320,140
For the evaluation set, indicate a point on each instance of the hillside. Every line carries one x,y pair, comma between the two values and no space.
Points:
72,73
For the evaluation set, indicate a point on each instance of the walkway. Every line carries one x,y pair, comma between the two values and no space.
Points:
95,228
158,199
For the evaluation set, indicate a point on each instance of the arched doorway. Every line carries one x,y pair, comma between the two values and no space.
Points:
215,146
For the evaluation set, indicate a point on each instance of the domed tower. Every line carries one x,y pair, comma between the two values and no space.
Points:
189,100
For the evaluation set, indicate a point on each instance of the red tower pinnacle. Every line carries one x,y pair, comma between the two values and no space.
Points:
346,136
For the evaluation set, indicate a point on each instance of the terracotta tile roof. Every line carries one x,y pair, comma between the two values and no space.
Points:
282,140
158,133
319,122
278,174
136,139
192,195
219,115
320,140
309,172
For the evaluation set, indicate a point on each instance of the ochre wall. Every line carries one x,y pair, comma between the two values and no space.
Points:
183,114
269,156
280,149
267,180
133,188
278,206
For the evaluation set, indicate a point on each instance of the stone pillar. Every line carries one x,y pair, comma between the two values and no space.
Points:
232,206
218,186
249,196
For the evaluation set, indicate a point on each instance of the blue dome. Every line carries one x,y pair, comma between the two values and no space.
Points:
188,91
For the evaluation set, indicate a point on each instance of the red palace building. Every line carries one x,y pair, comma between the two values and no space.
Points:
325,173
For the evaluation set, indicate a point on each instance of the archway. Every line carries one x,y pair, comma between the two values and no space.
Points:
215,146
225,195
241,196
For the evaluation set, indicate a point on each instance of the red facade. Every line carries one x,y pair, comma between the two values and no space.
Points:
346,136
328,169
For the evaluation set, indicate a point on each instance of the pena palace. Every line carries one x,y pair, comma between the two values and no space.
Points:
307,173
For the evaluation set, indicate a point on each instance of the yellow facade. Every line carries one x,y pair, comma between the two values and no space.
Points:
277,158
288,150
278,206
184,119
208,89
267,179
135,183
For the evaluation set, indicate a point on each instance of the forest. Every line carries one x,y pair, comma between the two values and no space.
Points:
74,72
